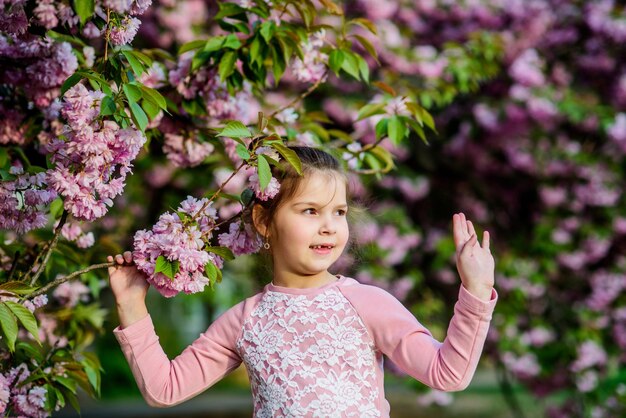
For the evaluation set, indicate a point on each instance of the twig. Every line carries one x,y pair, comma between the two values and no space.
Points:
301,97
64,279
15,258
216,194
50,247
107,35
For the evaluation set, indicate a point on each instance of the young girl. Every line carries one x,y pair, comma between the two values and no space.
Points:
312,342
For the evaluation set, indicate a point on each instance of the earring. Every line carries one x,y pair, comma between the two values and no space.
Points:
266,245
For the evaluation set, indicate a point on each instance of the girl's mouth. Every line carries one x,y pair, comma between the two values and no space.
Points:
322,248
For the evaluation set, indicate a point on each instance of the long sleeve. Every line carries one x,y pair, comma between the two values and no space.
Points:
447,366
166,383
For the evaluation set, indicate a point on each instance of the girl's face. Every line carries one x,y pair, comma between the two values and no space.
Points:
310,230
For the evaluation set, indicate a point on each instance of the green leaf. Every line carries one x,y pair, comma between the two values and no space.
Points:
364,69
396,129
350,64
92,370
65,381
227,64
84,9
278,62
242,151
72,399
190,46
289,155
418,130
381,128
370,110
211,272
19,288
267,30
65,38
232,42
223,252
228,9
56,208
335,60
30,351
367,24
167,267
235,129
154,96
26,317
265,173
139,116
151,109
135,64
214,44
144,58
8,322
70,82
107,106
367,45
246,196
132,93
385,156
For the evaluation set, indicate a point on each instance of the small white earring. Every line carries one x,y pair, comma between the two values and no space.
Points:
266,245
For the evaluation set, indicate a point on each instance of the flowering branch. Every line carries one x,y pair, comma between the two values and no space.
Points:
49,248
216,194
301,97
67,278
107,35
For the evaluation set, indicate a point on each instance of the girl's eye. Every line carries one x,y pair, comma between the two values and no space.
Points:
309,211
341,212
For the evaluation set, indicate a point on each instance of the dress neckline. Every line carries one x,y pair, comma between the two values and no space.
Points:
271,287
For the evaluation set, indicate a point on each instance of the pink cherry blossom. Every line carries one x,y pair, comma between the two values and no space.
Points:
270,191
241,239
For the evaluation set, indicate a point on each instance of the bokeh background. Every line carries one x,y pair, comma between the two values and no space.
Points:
529,106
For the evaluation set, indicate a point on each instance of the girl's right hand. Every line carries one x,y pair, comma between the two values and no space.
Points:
129,285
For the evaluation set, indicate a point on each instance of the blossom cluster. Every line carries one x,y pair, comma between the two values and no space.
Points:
205,83
40,65
312,67
93,159
24,200
241,238
22,399
181,241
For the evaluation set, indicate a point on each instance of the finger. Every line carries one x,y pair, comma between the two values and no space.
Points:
486,238
128,256
464,228
471,230
109,258
469,245
457,232
119,259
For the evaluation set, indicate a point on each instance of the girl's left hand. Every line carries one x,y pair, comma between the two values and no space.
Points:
474,261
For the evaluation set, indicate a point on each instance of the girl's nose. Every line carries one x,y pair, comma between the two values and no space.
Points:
328,227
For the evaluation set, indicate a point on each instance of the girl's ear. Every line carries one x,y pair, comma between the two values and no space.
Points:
257,219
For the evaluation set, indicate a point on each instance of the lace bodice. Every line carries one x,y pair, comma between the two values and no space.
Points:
309,356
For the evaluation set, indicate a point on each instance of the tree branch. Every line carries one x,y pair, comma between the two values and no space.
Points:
67,278
50,247
301,97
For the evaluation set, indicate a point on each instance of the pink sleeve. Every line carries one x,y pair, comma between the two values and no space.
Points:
447,366
166,383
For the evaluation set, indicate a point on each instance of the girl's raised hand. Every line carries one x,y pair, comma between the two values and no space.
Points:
474,261
128,284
